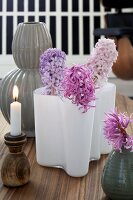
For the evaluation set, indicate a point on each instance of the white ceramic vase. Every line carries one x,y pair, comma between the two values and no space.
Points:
96,133
105,102
63,134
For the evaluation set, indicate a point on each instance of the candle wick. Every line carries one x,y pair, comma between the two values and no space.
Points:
15,99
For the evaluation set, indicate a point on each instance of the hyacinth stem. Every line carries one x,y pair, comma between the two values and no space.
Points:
53,91
123,131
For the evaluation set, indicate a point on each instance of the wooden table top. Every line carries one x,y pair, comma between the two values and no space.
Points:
53,183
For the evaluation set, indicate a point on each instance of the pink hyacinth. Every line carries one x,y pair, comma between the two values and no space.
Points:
78,86
101,60
115,130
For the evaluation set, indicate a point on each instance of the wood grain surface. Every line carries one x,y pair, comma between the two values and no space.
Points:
53,183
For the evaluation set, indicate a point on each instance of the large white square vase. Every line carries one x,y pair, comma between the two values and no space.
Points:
63,134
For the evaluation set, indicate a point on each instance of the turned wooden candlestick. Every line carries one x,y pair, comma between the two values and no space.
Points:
15,169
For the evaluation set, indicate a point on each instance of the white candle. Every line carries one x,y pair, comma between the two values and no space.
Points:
15,114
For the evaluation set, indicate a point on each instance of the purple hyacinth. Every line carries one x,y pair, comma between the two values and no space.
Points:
52,63
115,130
78,86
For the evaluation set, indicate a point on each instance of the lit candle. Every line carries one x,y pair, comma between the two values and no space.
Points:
15,114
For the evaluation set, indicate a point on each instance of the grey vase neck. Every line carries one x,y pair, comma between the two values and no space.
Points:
28,68
29,42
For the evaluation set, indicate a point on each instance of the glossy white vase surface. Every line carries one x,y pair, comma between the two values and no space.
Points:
63,134
105,103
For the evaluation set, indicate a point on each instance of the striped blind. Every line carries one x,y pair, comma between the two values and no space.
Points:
70,22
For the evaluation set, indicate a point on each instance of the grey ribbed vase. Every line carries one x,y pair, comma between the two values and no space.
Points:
117,178
30,40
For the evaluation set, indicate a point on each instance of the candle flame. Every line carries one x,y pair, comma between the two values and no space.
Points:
15,92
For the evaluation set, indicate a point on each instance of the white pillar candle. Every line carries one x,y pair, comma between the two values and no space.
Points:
15,114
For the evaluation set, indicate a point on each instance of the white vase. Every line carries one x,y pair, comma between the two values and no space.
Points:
62,136
48,129
108,96
77,138
105,102
96,133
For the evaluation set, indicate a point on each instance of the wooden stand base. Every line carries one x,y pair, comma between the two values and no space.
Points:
15,169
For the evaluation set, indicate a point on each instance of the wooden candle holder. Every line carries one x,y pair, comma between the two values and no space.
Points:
15,169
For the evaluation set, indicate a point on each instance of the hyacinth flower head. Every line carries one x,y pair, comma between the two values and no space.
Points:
78,86
115,130
101,60
52,63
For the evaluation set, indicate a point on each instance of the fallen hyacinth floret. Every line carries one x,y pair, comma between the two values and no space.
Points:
78,86
52,63
115,130
101,60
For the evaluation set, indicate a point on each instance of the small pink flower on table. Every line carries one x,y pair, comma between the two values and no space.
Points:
115,130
